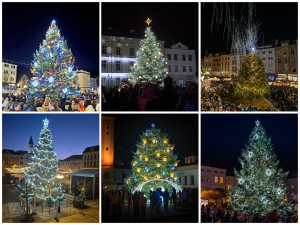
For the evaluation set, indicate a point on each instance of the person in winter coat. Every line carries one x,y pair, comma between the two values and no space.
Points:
184,198
129,200
166,198
220,214
272,217
174,197
158,197
136,201
81,105
28,106
120,203
142,202
115,202
154,203
228,218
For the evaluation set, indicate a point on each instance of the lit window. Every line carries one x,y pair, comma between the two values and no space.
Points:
221,180
208,178
216,179
292,187
228,187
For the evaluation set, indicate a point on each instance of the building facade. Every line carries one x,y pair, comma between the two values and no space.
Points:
84,81
216,65
226,65
91,157
212,178
231,181
190,171
71,164
9,73
117,55
181,63
267,54
208,64
286,60
292,183
107,152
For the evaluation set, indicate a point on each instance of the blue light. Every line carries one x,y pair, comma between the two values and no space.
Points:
51,79
35,83
70,69
35,64
65,90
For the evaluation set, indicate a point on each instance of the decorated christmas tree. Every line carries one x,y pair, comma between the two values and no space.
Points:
42,175
261,185
53,65
154,163
150,63
252,81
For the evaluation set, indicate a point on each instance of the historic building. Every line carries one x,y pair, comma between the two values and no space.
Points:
208,64
231,181
71,164
9,73
190,171
91,157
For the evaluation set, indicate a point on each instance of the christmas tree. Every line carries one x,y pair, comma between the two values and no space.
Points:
53,64
42,175
261,185
150,63
154,160
252,81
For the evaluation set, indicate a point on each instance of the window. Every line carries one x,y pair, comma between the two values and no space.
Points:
106,175
131,51
104,64
5,71
12,72
169,56
118,84
279,60
284,52
130,64
91,164
293,60
94,163
97,164
183,57
169,68
216,179
208,178
285,68
184,68
292,51
202,178
107,148
221,180
263,52
11,79
84,164
285,60
208,170
118,50
6,65
176,68
191,69
192,180
279,52
175,57
21,157
270,52
292,187
91,156
228,187
185,180
104,49
190,58
118,65
21,162
294,69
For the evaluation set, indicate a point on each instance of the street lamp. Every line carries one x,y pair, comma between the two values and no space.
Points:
60,177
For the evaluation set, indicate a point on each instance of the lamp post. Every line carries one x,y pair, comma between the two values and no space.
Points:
60,177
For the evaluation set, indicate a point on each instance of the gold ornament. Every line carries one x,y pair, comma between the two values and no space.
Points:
172,174
176,163
153,140
165,159
158,165
146,159
133,164
158,154
145,141
141,156
165,141
138,170
148,21
168,150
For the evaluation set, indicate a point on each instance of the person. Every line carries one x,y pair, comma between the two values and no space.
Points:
289,218
28,106
74,105
209,215
53,106
158,197
19,106
148,102
81,105
167,96
40,102
120,203
129,202
106,202
228,218
115,201
154,203
272,217
174,197
142,202
166,198
257,218
6,101
220,214
184,197
66,106
150,199
136,200
217,220
239,219
88,106
235,215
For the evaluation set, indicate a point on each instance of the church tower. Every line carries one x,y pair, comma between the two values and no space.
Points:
30,145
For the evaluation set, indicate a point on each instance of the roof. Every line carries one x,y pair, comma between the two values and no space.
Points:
86,173
31,141
182,163
262,101
192,154
72,157
92,149
20,152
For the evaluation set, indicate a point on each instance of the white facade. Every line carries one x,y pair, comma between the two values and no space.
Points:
9,73
84,81
267,55
94,85
117,183
117,55
212,178
181,63
190,173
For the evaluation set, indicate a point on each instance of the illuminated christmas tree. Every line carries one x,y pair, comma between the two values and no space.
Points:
252,81
42,175
155,162
150,63
53,64
261,185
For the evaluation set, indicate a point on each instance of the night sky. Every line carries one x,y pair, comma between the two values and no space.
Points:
24,27
171,22
181,128
278,21
71,133
224,136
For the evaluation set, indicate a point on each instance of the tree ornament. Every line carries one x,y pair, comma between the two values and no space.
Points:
158,154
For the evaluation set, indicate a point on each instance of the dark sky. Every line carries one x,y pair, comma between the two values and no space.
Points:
181,128
24,27
224,136
71,133
171,22
278,21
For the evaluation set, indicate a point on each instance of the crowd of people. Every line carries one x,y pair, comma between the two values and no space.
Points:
187,199
219,98
151,97
24,102
220,214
